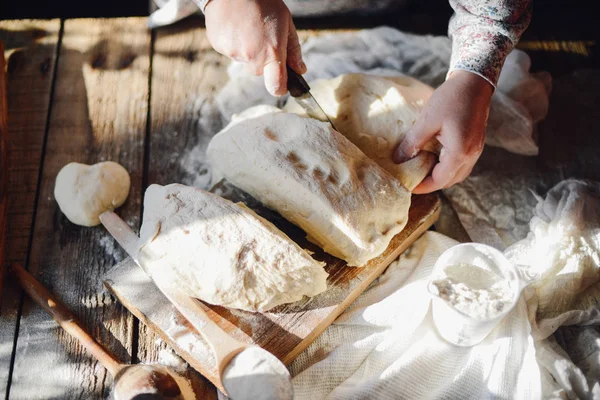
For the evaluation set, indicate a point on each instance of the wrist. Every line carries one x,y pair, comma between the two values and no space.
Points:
473,81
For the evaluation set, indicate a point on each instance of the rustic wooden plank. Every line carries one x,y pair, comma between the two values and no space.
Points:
31,55
99,112
186,74
284,331
3,165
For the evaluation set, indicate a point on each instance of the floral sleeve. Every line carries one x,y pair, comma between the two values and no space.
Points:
483,32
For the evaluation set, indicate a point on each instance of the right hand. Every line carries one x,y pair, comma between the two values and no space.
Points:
260,33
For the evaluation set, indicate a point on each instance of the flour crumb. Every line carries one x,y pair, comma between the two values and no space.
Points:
107,243
196,168
168,358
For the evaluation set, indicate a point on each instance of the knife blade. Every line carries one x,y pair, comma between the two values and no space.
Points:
300,91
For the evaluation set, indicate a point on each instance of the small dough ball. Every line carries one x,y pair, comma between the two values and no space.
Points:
83,192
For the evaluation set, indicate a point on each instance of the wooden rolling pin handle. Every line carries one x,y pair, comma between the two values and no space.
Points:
224,346
64,317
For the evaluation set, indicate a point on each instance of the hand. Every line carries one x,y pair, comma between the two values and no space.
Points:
456,114
258,32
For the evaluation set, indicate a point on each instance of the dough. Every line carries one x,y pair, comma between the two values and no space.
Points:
83,192
314,177
375,113
223,253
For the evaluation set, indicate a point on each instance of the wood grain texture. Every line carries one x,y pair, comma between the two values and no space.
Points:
186,74
3,166
99,112
284,331
31,55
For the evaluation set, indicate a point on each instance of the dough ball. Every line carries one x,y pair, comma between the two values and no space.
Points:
375,113
83,192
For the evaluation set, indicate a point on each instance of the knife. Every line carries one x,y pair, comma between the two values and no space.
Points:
300,90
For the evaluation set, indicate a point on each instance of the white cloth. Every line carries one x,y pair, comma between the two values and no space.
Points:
385,345
563,248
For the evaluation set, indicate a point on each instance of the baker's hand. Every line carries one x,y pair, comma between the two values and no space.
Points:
258,32
456,114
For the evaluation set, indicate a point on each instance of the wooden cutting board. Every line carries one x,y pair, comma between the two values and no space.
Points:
286,330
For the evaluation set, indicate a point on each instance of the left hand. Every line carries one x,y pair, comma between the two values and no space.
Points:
456,114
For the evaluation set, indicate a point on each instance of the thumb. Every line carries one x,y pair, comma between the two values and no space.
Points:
294,51
414,140
275,71
275,75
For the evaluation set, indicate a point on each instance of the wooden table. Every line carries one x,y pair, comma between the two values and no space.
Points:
87,91
90,90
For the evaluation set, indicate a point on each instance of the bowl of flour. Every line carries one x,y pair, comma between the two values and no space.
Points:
473,288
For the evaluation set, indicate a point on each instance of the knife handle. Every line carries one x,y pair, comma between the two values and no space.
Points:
296,83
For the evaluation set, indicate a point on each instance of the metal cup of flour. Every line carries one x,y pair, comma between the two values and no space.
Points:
473,286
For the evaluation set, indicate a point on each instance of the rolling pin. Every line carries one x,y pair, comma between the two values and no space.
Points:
130,381
3,166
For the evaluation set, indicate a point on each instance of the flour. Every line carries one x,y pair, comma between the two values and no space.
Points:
474,291
196,170
108,244
170,359
258,375
189,341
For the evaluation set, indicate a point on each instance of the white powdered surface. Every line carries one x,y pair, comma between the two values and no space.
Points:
474,291
256,374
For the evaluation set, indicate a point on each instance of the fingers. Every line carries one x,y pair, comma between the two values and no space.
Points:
450,170
294,51
288,52
422,131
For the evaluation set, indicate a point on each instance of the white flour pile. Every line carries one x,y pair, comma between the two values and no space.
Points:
258,375
474,291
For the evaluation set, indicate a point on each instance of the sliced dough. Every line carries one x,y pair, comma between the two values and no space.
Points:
375,113
314,177
222,252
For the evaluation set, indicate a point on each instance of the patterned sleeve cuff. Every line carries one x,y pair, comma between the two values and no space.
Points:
481,51
201,4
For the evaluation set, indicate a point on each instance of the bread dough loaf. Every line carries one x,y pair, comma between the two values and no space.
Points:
83,192
375,113
223,253
314,177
